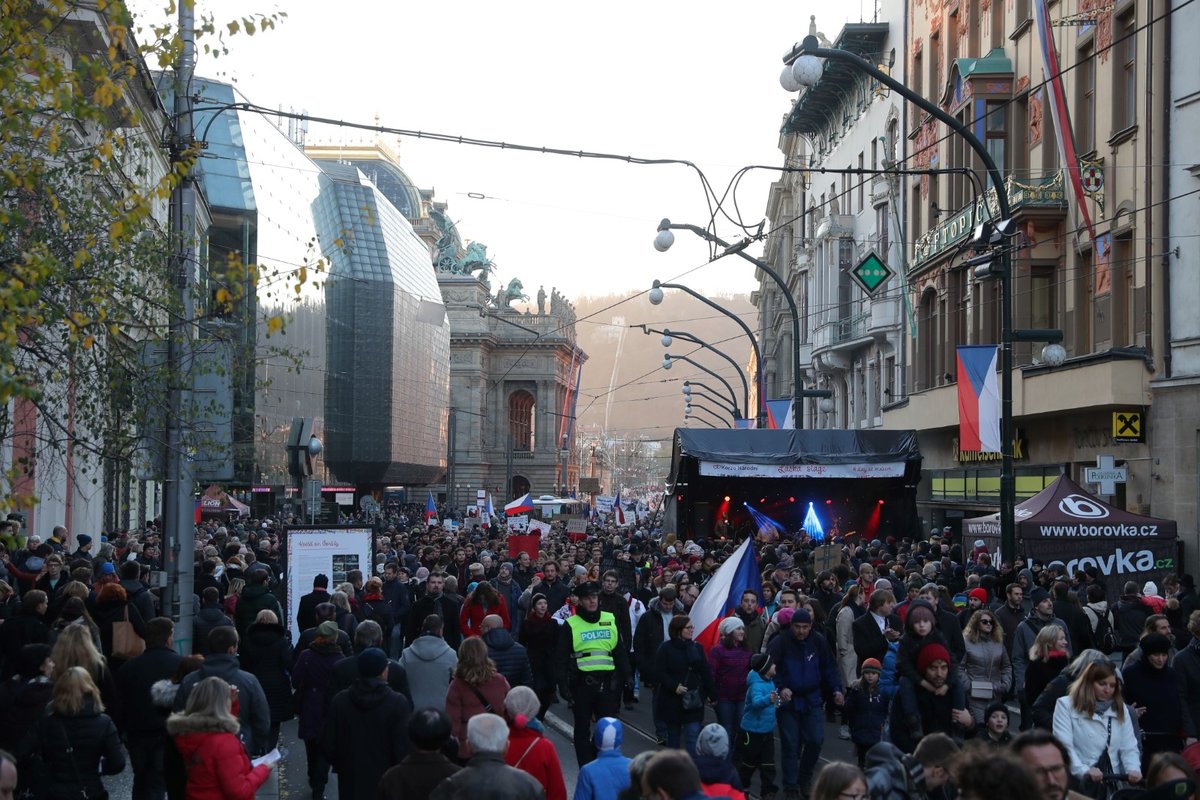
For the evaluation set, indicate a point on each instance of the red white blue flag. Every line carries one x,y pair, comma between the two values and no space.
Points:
618,511
779,414
1060,111
521,505
723,592
430,511
978,399
489,512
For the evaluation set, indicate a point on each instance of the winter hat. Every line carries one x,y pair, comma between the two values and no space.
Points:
105,569
713,741
729,625
1150,589
872,665
930,653
920,610
993,708
533,601
761,663
883,583
1155,643
83,539
372,662
802,615
1038,595
979,594
608,735
784,616
327,629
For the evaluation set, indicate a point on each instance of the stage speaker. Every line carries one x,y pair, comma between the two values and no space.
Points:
701,520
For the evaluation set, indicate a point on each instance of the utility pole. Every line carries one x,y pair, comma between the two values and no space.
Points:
179,545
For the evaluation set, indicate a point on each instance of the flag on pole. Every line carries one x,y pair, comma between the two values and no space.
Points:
1061,114
978,399
430,511
521,505
723,592
779,414
618,511
489,512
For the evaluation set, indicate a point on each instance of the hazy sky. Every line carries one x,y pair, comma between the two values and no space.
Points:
656,79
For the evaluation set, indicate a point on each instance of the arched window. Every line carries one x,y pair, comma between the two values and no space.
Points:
520,420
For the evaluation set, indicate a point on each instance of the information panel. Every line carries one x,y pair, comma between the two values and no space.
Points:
331,550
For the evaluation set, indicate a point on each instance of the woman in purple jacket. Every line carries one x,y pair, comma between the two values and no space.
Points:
729,661
310,677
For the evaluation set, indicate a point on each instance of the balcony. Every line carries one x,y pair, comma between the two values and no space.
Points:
852,328
885,317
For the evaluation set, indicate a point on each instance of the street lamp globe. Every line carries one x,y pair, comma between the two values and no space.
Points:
666,338
687,391
666,361
826,405
663,241
788,81
1054,354
656,296
807,70
687,408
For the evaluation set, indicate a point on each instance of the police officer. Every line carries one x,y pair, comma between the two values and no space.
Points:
592,666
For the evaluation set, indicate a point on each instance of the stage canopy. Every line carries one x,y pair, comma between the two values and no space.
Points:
792,448
1065,523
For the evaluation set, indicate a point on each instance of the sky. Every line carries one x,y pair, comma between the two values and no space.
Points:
658,79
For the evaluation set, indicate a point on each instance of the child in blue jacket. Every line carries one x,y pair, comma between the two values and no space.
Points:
866,709
756,742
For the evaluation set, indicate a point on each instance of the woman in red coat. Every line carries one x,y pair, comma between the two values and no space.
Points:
206,736
477,688
481,601
528,748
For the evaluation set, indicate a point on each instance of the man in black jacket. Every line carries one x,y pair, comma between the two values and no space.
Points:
876,629
366,732
325,611
306,613
144,723
1130,615
368,634
511,658
436,602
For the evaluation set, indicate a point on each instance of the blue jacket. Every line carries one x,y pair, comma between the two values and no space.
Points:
888,678
805,667
865,714
758,715
603,778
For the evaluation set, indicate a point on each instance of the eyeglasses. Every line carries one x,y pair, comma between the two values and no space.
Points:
1046,772
985,622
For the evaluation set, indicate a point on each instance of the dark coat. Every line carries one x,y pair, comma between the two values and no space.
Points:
345,673
936,717
1157,690
140,597
306,640
311,679
416,776
266,653
1039,674
140,715
512,659
1079,632
446,608
21,703
1187,669
1043,704
488,776
647,639
869,641
380,609
1130,616
365,733
306,613
681,662
865,714
24,627
96,750
206,619
255,597
106,615
540,638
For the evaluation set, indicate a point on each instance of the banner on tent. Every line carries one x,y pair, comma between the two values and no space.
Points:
894,469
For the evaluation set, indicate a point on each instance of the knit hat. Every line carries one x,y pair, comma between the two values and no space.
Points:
784,616
1038,595
761,663
372,662
105,569
713,741
802,615
327,629
919,610
533,601
608,734
1155,643
979,594
930,653
83,539
1150,589
872,665
993,708
729,625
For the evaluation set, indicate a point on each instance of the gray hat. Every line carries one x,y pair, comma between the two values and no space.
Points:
713,741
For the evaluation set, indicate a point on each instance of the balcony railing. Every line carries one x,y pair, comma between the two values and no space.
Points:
851,328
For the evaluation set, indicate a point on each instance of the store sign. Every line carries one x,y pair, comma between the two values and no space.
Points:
893,469
969,456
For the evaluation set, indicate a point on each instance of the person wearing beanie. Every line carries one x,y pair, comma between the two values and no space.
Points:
539,634
806,670
366,729
608,775
1040,615
729,661
712,761
866,709
1153,684
977,598
939,709
920,630
995,732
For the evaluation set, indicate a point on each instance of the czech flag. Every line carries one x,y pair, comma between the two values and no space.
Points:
618,512
779,414
521,505
430,511
723,592
488,513
978,399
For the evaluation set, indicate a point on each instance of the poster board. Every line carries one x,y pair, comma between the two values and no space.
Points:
330,549
524,544
576,524
826,557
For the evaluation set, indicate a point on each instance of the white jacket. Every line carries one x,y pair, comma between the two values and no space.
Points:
1084,738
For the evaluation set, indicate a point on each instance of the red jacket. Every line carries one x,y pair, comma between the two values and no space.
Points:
530,751
217,765
462,704
472,614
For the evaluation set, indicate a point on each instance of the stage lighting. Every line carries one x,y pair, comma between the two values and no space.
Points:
791,499
762,499
881,502
726,498
679,497
828,502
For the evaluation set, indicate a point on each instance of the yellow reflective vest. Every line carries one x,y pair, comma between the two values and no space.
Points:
593,643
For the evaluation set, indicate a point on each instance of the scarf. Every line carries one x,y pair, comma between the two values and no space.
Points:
1103,706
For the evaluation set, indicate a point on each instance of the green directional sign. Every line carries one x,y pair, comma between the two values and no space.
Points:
871,273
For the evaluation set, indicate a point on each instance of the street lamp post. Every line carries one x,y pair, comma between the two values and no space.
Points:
669,335
804,60
656,298
663,242
689,392
668,359
691,409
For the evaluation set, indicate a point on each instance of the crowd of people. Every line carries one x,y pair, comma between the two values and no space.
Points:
433,674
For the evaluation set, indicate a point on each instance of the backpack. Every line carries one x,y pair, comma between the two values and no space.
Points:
1104,638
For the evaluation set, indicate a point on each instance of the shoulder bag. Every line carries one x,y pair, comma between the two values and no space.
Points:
691,699
483,700
126,643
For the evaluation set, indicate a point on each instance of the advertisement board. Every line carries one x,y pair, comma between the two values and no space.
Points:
332,550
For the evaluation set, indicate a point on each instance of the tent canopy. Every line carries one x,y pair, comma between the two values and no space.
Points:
822,446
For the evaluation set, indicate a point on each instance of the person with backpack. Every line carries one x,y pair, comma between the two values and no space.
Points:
1130,615
1100,620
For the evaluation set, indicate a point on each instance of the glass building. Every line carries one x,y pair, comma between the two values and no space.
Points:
365,348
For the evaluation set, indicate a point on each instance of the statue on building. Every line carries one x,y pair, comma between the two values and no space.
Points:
476,260
507,294
541,301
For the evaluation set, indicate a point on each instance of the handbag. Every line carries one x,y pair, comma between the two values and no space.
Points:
487,707
126,643
982,690
691,699
1102,789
